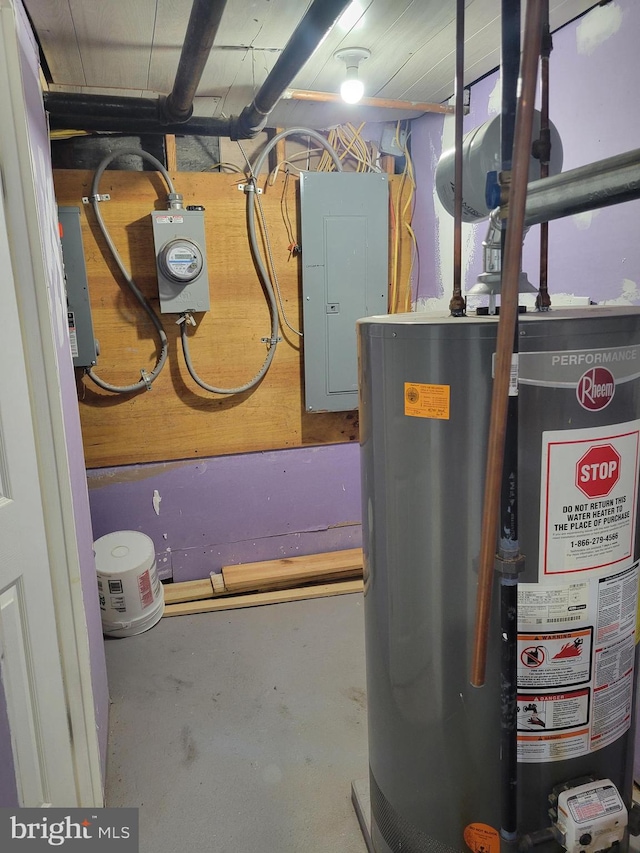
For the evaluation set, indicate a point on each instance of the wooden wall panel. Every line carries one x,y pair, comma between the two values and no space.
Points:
177,419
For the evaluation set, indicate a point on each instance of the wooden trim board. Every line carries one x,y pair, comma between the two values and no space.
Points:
292,571
286,572
259,598
176,593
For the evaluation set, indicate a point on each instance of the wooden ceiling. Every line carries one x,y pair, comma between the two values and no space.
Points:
132,47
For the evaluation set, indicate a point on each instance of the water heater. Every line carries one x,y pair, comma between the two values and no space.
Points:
434,740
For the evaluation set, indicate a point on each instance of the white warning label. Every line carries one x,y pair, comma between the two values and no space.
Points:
575,684
553,712
552,605
588,494
555,659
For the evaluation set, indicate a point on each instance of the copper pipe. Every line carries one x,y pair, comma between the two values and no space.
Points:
506,332
383,103
543,300
458,304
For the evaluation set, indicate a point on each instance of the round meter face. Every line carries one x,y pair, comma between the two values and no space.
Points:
181,260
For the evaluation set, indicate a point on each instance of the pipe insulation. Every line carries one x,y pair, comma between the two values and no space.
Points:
600,184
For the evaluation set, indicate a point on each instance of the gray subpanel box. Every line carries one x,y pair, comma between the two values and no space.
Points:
345,237
83,344
183,282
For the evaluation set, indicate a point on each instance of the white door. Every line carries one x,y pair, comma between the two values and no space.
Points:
29,654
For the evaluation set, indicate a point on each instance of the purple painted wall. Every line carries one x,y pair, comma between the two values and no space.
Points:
234,509
43,181
594,67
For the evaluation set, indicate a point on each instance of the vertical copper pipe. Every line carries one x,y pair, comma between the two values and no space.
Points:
458,304
506,332
543,300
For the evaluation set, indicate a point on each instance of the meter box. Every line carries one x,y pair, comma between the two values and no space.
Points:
183,280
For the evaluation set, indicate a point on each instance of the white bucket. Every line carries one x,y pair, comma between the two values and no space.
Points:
131,596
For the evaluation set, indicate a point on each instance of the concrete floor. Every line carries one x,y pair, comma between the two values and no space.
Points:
242,731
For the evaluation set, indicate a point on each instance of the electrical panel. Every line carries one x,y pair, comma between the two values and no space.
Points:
84,348
345,238
183,280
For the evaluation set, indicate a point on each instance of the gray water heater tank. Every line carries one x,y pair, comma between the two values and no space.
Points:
434,740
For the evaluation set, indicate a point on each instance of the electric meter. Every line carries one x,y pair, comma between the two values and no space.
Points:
181,260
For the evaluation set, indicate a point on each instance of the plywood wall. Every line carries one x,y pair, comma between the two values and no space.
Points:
177,419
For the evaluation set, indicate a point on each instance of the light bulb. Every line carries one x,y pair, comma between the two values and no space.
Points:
352,90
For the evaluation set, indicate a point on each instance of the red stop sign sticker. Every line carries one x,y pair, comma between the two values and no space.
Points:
598,471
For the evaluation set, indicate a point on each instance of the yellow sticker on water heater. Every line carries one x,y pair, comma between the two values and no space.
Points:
426,401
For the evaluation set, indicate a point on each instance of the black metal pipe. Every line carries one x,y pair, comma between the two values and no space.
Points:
543,300
316,23
202,28
508,545
458,303
509,708
509,70
151,115
123,115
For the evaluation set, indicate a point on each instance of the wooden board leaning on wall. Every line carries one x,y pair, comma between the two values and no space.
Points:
177,419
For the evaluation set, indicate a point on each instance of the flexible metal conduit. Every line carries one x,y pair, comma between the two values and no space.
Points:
260,265
153,115
506,331
147,379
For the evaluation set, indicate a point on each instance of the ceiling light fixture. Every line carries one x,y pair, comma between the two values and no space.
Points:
352,89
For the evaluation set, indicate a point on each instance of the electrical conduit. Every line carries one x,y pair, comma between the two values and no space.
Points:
147,378
260,265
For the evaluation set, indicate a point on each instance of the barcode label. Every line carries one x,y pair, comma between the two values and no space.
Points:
73,336
513,378
559,619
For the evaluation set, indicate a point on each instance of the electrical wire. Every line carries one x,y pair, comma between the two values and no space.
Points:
274,274
284,210
261,269
147,378
230,166
402,215
347,141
